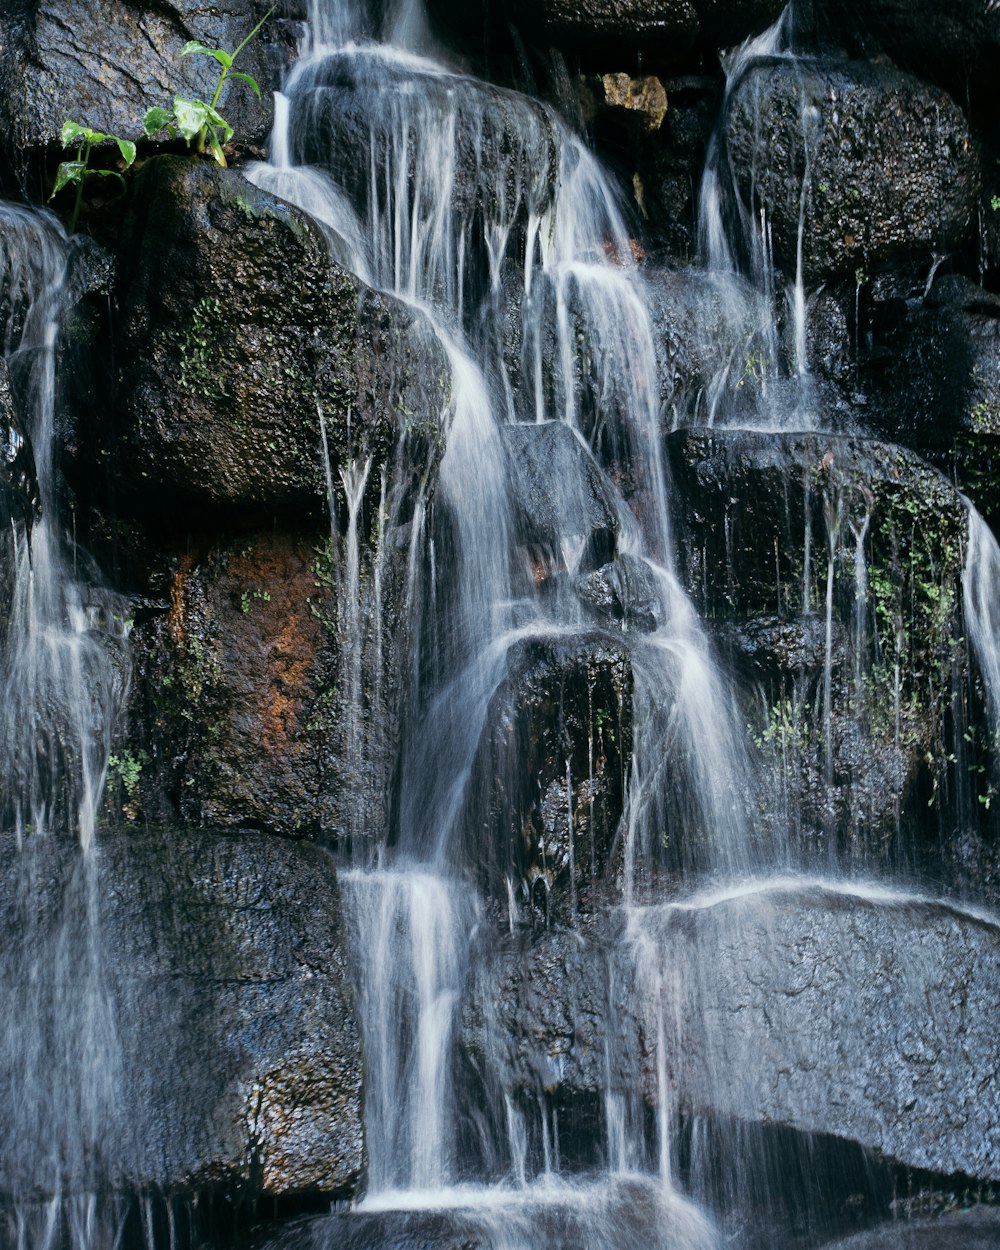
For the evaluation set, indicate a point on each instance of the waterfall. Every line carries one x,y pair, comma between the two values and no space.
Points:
63,679
547,231
762,382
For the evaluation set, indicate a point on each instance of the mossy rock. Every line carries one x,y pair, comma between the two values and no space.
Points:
236,330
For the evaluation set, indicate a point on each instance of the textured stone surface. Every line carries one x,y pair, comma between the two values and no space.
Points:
549,779
235,327
80,60
847,746
214,992
937,40
978,1229
868,1019
865,1019
892,169
561,499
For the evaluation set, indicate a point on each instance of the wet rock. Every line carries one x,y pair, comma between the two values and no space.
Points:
565,511
664,32
228,680
837,1013
616,1211
537,1016
669,24
64,59
402,1230
832,567
622,593
498,147
820,1009
265,695
892,169
978,1229
702,325
932,381
19,502
212,999
236,328
549,778
941,42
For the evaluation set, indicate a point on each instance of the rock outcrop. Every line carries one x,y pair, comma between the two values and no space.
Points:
211,997
237,330
65,60
874,163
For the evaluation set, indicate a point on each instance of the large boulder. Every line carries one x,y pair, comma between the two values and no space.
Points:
854,1014
564,510
875,163
833,1011
201,1034
237,330
68,60
498,150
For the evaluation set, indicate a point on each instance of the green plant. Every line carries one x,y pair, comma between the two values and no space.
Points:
199,122
247,599
76,172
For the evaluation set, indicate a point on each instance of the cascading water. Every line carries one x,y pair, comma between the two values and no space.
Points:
480,210
763,382
405,140
62,682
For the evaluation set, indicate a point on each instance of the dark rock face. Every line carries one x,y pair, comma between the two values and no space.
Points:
942,42
247,708
367,112
891,165
832,565
550,776
228,681
696,319
788,999
537,1018
772,1004
559,495
236,328
932,380
66,59
231,1053
18,487
668,28
673,23
958,1230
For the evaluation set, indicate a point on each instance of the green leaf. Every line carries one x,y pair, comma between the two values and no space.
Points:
112,173
194,46
217,121
68,171
72,131
250,81
127,149
191,116
157,119
215,147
